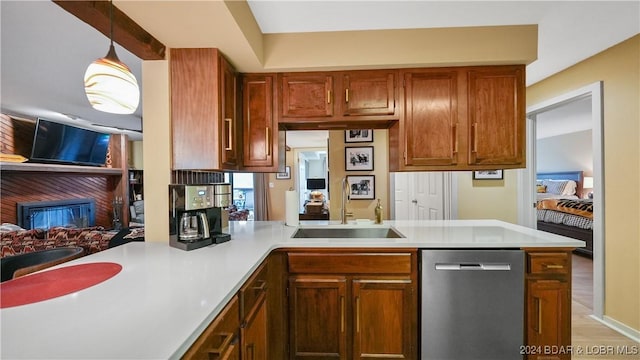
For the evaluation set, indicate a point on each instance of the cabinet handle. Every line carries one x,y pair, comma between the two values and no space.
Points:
250,346
551,266
227,337
229,137
267,147
539,315
328,96
341,313
346,95
358,314
454,131
474,126
261,287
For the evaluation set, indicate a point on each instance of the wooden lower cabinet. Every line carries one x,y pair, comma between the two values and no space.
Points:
364,312
318,323
220,339
254,333
548,305
253,313
383,316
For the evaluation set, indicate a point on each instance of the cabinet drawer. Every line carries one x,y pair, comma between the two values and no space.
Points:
252,290
220,337
548,263
350,263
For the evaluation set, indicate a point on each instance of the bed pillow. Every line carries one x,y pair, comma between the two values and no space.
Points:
555,186
570,188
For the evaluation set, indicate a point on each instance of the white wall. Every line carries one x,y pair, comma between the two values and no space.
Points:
568,152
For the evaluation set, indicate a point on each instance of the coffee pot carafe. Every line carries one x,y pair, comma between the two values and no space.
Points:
194,226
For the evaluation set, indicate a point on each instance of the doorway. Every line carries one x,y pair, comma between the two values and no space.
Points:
313,175
527,179
243,193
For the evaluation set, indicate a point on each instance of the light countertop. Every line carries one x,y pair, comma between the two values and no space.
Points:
164,297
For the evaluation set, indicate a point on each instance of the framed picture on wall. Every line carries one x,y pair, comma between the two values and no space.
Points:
362,187
357,136
488,175
284,175
358,158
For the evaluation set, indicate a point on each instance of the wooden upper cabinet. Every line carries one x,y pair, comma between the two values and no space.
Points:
431,121
368,93
260,131
496,111
201,100
306,95
230,127
460,118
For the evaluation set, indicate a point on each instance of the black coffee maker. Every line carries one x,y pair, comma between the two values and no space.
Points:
217,217
190,215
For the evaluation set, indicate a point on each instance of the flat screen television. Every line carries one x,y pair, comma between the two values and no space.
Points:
316,184
60,143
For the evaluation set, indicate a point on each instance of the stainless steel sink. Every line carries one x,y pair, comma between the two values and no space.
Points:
331,233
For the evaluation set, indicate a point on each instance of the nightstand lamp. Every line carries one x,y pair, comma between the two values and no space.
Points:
588,185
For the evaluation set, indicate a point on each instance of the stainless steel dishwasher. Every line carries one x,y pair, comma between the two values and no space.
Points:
472,304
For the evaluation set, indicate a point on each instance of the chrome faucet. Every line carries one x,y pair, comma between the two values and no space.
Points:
343,211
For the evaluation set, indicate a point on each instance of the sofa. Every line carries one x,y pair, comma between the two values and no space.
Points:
238,215
91,239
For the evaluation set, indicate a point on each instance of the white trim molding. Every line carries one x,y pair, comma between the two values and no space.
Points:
526,179
622,328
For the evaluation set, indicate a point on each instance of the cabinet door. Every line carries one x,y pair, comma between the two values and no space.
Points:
368,93
194,103
548,316
306,95
431,126
254,333
230,143
384,319
318,317
220,339
496,101
258,124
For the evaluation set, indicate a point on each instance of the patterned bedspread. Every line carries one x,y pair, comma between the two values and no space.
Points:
580,207
572,212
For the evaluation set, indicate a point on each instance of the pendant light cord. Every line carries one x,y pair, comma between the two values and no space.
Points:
111,21
111,55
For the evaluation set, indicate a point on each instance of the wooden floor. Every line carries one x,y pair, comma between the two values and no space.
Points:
590,338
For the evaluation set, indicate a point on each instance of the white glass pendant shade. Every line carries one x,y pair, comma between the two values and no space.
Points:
110,86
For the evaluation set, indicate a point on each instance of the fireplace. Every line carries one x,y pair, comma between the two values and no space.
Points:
47,214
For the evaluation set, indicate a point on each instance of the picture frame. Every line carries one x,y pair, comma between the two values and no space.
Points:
362,187
284,175
488,175
358,136
358,158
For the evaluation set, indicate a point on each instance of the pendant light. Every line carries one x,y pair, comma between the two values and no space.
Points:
109,84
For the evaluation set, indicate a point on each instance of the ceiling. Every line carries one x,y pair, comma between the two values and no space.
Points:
45,50
568,118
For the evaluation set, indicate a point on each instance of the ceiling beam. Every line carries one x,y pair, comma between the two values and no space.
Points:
125,31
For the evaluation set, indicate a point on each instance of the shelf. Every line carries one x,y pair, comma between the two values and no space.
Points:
58,168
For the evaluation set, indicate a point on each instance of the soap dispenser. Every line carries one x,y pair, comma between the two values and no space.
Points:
378,212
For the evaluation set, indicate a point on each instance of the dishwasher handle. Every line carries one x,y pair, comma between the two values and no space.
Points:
473,266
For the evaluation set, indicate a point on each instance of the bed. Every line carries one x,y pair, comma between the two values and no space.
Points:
561,208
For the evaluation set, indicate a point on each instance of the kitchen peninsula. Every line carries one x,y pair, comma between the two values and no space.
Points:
164,298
